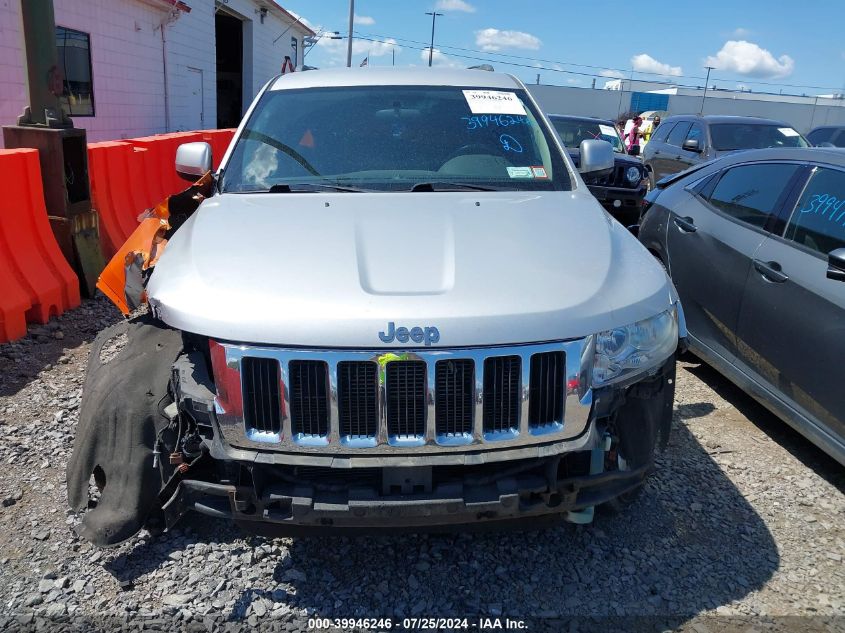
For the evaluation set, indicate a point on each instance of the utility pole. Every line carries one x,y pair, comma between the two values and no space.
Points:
433,15
393,52
349,44
706,81
538,79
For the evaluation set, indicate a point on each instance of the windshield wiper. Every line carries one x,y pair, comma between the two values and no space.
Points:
451,186
300,187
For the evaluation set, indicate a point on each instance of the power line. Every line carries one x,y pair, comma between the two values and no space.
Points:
517,64
622,71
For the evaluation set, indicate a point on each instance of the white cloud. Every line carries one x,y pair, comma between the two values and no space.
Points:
336,49
647,64
612,73
364,20
740,33
454,5
495,40
747,58
438,58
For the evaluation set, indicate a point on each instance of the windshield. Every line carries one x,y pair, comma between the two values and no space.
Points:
573,131
730,136
391,138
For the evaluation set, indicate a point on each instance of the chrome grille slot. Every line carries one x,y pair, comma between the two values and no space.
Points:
545,392
309,398
405,398
357,395
502,386
262,394
454,396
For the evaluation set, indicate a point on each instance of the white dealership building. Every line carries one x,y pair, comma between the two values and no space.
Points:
139,67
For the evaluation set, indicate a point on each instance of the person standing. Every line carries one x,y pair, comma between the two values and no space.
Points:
648,129
632,138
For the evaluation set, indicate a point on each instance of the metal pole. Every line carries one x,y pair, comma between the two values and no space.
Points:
393,51
43,77
433,15
349,44
706,81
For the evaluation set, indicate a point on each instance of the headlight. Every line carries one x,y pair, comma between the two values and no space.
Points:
633,175
634,348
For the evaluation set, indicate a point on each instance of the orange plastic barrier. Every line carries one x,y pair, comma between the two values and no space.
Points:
160,169
34,275
113,182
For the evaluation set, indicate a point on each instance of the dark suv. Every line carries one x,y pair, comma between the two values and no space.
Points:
621,191
686,140
828,135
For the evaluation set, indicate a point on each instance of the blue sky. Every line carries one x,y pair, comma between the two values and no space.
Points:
777,42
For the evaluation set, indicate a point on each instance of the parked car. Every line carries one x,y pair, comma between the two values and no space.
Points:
686,140
828,135
755,243
398,307
621,190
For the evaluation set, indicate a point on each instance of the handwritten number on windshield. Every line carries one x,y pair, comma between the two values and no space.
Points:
479,121
510,144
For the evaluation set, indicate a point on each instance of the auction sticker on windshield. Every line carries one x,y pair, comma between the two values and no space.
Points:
493,102
787,131
520,172
607,130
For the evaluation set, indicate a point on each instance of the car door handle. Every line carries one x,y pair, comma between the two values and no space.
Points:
685,225
657,152
771,271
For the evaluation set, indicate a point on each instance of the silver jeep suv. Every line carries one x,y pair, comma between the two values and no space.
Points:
399,307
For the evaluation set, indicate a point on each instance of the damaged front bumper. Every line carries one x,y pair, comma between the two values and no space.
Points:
285,508
152,435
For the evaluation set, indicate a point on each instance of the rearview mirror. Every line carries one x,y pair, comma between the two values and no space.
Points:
836,264
193,160
691,145
596,156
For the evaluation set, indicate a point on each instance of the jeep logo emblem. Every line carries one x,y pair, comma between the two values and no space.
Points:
427,335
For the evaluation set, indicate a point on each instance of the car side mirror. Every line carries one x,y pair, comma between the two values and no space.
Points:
596,156
836,264
691,145
193,160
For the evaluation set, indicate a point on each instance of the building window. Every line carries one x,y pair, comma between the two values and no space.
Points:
74,54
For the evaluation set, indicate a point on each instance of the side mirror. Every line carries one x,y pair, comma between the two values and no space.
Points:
596,156
193,160
836,264
691,145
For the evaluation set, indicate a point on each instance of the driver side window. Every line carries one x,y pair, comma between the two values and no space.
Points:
750,193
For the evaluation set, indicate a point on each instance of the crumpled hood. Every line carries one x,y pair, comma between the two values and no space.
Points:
333,269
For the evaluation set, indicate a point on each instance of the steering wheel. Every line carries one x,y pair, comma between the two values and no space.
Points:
467,149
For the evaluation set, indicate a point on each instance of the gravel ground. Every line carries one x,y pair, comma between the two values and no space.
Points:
741,525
